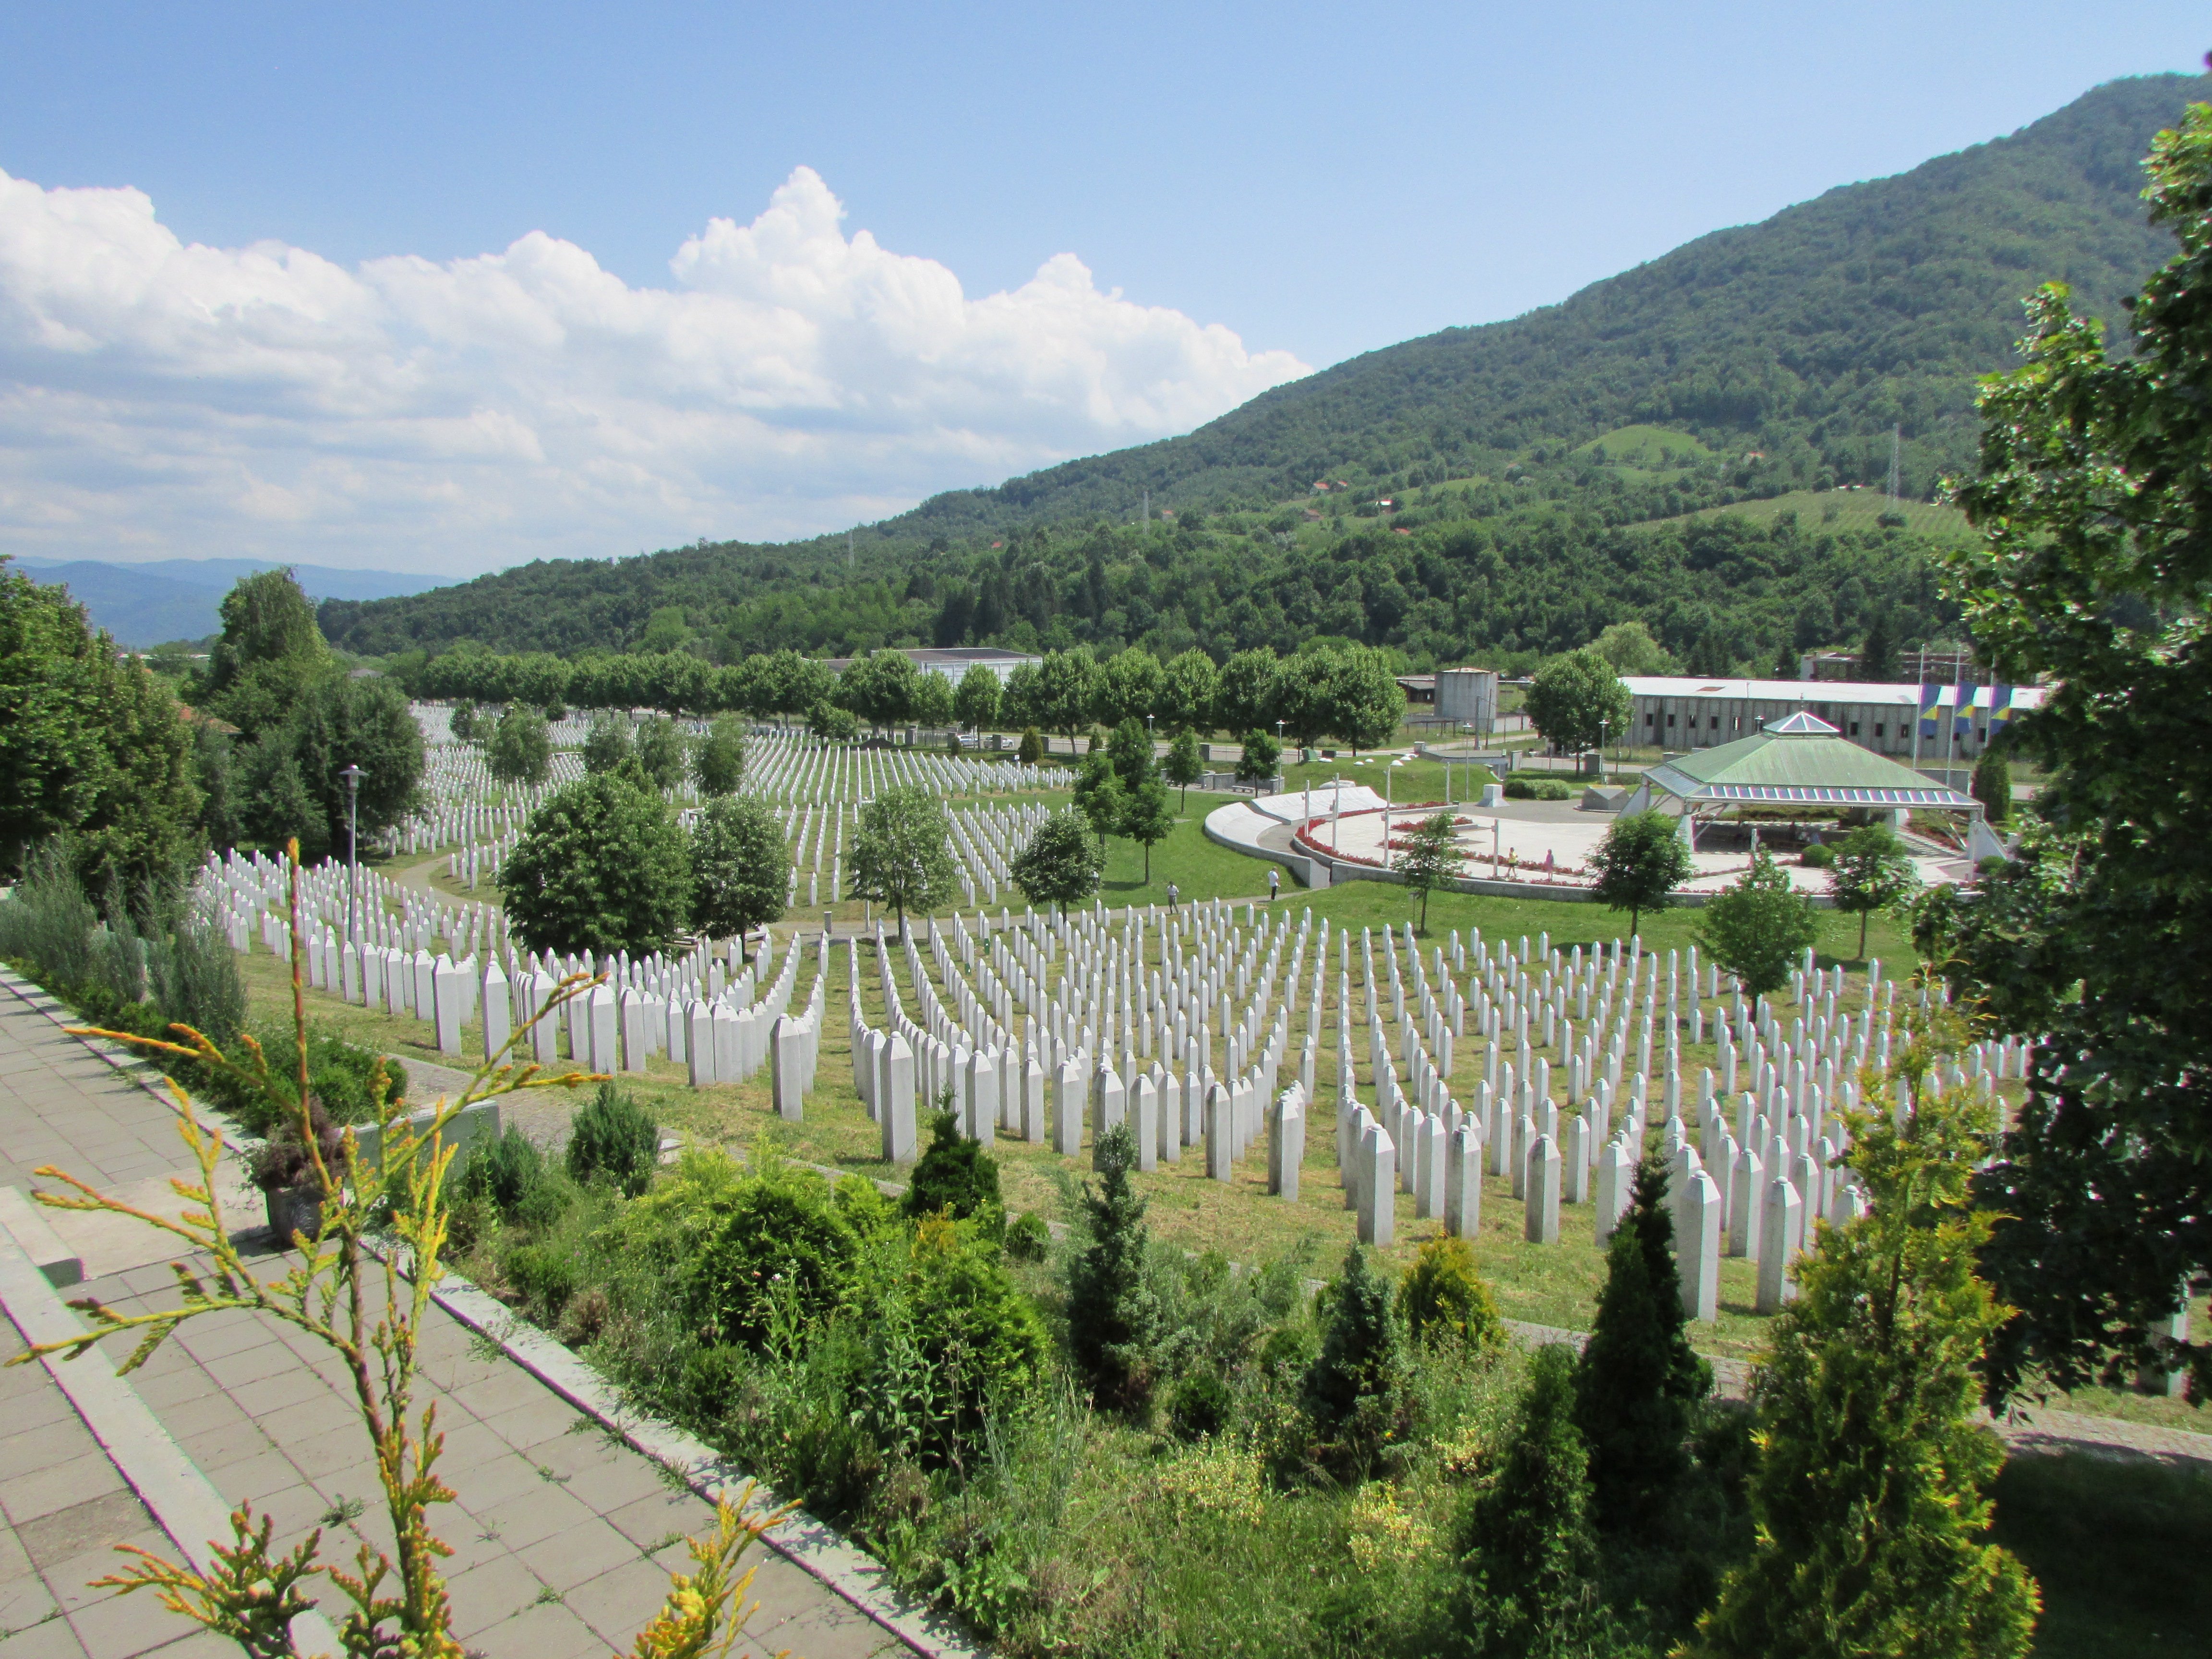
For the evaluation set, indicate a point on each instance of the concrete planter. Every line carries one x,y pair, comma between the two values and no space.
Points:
293,1209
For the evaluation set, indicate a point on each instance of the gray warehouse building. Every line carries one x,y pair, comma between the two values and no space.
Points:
1679,713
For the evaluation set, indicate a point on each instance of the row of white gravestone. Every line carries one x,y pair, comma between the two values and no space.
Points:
437,990
1768,1221
1165,1112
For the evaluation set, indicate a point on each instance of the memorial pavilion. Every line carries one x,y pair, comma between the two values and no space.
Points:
1802,763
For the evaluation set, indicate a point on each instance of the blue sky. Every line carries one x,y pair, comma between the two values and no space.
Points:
1312,181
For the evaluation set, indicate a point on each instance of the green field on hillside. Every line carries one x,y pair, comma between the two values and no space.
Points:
1847,509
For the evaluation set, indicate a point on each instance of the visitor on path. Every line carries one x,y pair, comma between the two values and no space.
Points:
1275,882
1175,897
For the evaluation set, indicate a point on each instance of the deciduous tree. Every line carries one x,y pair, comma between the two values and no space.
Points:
1060,865
1181,766
900,856
522,747
1872,871
1430,857
718,760
1759,926
1577,699
976,702
740,868
1641,860
601,867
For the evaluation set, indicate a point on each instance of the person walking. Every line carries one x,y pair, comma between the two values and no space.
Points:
1175,898
1275,882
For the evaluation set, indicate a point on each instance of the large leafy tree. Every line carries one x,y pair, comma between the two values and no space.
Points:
1129,687
2094,507
345,722
1187,691
268,653
932,700
1869,1490
976,702
88,744
661,753
1577,700
601,867
521,746
899,856
1368,704
608,743
1759,926
740,868
1641,860
718,760
1244,696
1067,690
1059,865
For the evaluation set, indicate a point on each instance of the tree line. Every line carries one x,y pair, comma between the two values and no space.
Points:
1344,691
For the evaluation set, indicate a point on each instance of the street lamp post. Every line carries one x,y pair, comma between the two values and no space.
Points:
352,775
1604,731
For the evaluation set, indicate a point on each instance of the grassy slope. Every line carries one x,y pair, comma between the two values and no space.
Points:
1849,509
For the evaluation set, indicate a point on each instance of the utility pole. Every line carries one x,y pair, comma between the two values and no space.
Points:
1896,485
353,774
1147,516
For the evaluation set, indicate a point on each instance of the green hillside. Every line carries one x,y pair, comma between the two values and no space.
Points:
1814,332
1517,456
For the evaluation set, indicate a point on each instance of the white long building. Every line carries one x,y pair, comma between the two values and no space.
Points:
1682,712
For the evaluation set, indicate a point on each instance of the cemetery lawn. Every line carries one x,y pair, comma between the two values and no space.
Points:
1554,1287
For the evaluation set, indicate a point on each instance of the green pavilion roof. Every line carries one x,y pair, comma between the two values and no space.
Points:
1799,760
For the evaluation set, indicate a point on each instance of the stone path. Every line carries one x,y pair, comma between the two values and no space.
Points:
563,1538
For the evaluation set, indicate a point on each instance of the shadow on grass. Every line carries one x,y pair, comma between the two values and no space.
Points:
2110,1538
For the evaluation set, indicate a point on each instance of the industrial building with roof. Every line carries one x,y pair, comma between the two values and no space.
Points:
954,661
1681,713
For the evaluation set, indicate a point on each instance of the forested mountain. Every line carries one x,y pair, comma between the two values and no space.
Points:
1749,363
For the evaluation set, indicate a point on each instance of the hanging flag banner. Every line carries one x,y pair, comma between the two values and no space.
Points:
1930,697
2001,708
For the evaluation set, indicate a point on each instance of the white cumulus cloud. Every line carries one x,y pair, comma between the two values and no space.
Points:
163,399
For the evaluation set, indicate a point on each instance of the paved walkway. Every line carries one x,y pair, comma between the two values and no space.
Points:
563,1538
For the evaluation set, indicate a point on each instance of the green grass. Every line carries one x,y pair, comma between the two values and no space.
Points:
1641,447
2109,1538
1849,509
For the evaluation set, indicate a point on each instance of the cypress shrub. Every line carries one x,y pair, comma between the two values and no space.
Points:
1639,1379
1113,1316
613,1138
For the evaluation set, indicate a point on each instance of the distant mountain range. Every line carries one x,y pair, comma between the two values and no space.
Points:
164,599
1784,354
